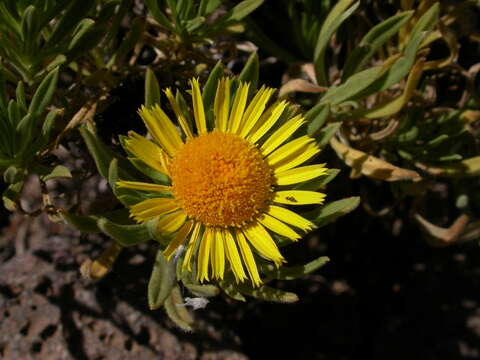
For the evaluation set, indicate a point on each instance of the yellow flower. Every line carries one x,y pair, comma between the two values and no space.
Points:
229,184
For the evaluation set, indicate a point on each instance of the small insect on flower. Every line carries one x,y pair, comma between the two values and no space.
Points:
228,185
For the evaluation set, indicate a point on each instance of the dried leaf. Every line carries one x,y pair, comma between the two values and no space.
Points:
300,85
465,168
371,166
439,237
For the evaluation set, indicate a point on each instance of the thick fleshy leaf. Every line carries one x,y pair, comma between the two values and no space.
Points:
316,118
250,72
125,235
268,293
372,41
162,281
340,12
333,210
175,308
152,89
293,272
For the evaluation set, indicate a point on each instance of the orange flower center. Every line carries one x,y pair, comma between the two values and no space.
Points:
221,179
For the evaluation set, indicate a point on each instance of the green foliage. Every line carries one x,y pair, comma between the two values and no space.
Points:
25,131
375,95
190,20
37,37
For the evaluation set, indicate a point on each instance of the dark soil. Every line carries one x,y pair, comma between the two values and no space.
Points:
382,296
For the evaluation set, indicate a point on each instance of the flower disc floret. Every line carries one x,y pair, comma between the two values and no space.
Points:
221,179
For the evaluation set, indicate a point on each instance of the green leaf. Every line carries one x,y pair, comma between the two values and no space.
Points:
176,310
158,15
29,29
47,129
135,33
82,28
100,153
3,91
206,7
77,10
210,87
8,19
83,223
58,171
267,293
126,196
20,94
13,175
13,113
372,41
153,174
207,290
11,194
426,22
86,38
250,72
44,93
152,89
227,285
242,9
316,118
354,85
398,70
317,183
294,272
331,211
25,131
340,12
395,105
194,24
162,281
125,235
327,133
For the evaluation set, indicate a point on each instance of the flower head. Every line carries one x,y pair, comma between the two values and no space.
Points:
229,184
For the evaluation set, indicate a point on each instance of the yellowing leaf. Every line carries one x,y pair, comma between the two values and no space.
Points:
394,106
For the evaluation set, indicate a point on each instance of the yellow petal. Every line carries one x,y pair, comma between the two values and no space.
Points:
233,256
290,218
218,258
254,111
248,258
263,243
171,222
146,151
150,208
297,158
238,107
161,128
178,240
222,104
137,185
192,245
299,197
300,174
204,255
278,227
198,110
288,149
271,117
281,134
179,114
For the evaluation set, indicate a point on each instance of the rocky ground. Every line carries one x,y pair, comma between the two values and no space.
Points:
384,295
